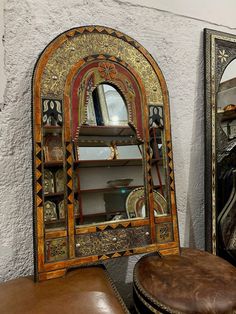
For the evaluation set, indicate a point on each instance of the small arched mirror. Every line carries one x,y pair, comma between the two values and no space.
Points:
107,107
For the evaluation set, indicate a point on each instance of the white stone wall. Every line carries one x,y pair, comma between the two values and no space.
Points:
174,40
2,72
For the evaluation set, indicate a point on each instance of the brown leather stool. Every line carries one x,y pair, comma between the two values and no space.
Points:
193,282
82,291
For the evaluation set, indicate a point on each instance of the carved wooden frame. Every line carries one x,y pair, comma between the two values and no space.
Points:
220,50
55,71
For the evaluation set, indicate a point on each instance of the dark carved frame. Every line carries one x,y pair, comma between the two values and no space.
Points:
217,45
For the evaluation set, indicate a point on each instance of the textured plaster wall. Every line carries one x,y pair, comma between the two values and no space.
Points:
176,42
2,72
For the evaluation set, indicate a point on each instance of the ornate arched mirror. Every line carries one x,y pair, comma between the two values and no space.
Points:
103,168
220,144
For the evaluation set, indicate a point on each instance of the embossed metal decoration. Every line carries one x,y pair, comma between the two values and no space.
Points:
48,182
50,212
164,232
60,180
220,52
56,250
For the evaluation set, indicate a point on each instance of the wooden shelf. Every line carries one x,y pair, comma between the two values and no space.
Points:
108,189
52,129
49,164
55,194
92,218
94,215
53,222
101,163
98,130
112,162
108,163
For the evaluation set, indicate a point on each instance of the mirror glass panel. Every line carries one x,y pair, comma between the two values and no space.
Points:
112,105
226,161
226,101
157,153
106,107
110,176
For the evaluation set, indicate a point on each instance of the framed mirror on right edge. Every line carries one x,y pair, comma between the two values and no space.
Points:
220,143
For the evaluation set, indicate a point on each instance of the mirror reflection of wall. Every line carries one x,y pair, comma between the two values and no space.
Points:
226,161
110,160
226,101
107,107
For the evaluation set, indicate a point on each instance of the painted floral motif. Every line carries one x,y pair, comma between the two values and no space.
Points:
223,56
130,87
107,70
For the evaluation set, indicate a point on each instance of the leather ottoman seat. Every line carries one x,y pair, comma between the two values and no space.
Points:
193,282
82,291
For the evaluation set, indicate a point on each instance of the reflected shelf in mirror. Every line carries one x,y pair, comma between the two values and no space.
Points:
113,162
54,194
98,130
48,129
49,164
113,189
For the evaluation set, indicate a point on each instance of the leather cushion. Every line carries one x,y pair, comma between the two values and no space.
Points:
84,290
193,282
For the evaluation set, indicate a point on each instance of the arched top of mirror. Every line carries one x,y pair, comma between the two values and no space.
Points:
107,116
111,103
78,44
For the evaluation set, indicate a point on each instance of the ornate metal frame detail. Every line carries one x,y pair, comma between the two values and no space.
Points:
220,50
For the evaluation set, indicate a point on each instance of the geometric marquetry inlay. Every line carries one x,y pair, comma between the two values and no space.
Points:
38,187
69,172
170,165
69,160
38,200
38,174
37,149
37,162
70,198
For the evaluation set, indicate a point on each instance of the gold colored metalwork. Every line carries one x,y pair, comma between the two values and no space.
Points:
78,47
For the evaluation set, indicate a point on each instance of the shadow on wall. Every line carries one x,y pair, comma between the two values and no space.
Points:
194,221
